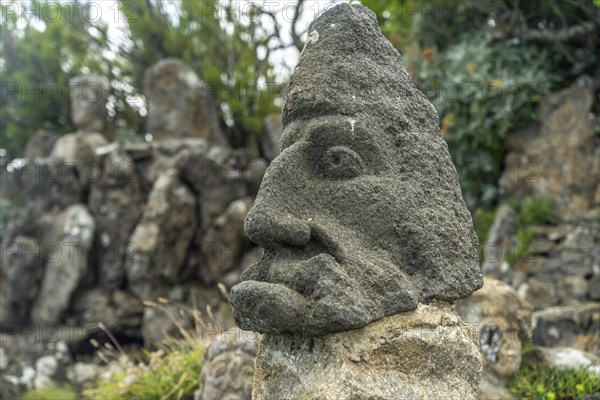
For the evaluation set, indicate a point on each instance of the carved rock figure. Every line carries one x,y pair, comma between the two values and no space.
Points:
179,103
89,94
503,321
361,214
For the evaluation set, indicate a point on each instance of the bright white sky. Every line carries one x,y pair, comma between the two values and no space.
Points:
283,60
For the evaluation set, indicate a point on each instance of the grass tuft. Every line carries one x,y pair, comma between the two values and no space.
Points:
64,393
541,382
171,372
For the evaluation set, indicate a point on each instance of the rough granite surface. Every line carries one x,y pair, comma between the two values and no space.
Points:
361,214
427,353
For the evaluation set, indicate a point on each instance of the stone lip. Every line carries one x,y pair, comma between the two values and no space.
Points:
425,353
361,214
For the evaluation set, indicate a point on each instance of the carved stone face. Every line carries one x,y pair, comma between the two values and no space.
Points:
360,215
345,233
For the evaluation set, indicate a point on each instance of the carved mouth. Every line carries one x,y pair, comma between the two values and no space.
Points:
297,269
292,290
300,268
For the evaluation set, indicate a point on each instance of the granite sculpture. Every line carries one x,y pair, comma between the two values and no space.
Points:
361,214
89,95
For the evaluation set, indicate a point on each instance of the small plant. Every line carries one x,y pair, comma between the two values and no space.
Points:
542,382
172,372
538,211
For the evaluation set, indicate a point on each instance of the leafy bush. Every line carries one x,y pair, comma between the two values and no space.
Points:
229,52
538,211
485,71
545,383
481,92
39,54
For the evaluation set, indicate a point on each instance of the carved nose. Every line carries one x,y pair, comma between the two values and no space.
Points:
269,229
271,221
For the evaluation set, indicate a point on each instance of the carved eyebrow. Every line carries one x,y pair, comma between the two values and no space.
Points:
341,127
290,135
311,128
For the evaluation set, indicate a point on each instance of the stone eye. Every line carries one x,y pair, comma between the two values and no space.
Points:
341,162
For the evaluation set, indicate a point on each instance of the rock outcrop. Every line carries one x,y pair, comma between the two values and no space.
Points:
70,237
160,240
116,201
565,132
554,266
22,271
132,222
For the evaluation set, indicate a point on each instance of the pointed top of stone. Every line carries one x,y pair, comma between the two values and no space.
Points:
347,66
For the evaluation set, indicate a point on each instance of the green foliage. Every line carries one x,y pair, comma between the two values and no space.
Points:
227,48
481,92
172,372
545,383
538,211
41,51
37,61
485,68
482,222
50,394
395,19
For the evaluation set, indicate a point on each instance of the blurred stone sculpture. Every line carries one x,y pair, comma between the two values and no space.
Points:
361,214
89,95
503,320
41,144
179,103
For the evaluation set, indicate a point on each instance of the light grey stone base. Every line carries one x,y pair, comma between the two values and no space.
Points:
427,353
